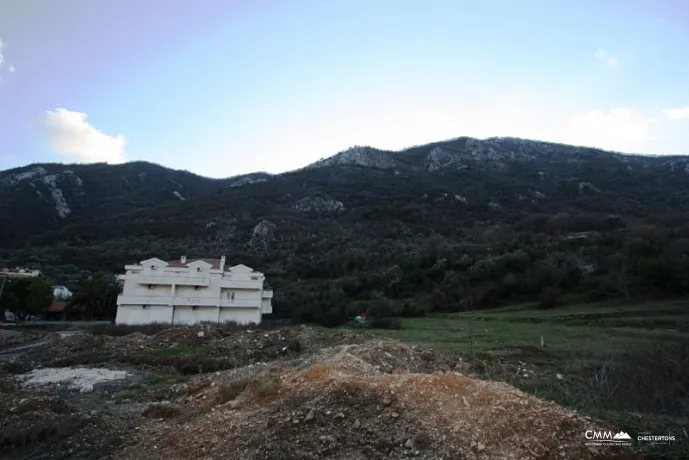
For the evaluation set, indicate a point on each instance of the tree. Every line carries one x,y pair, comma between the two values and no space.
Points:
548,298
95,297
40,296
619,277
379,306
26,297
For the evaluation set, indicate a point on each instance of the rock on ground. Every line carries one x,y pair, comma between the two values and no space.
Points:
80,378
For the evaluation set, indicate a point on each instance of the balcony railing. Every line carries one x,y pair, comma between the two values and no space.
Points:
240,284
187,301
144,300
191,301
170,280
241,303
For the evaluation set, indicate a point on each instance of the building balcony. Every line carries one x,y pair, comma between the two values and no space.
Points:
268,294
240,303
240,284
187,301
266,307
178,280
195,301
144,300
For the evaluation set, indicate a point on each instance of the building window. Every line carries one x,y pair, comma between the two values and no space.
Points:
153,267
255,278
230,295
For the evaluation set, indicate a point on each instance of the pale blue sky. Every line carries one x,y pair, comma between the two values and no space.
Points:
223,87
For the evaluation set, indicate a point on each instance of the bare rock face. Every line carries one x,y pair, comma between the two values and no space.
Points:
61,205
29,175
254,178
587,187
262,235
359,156
319,205
438,159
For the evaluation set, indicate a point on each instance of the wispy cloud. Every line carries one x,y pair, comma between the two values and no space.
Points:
679,113
70,135
610,61
10,67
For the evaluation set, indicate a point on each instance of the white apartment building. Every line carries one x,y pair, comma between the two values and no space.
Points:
19,273
190,292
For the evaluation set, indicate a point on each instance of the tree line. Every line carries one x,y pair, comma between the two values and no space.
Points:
94,297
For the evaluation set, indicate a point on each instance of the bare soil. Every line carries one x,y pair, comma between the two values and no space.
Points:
288,393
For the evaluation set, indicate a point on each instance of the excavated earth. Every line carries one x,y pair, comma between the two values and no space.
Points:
283,394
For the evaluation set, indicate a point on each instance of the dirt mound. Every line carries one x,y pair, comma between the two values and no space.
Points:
339,404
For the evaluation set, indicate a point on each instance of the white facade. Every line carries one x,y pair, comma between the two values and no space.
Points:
19,273
191,292
61,293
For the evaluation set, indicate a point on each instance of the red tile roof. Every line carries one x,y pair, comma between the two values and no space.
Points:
57,307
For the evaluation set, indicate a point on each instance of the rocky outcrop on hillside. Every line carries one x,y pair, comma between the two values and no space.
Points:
318,205
262,235
254,178
367,157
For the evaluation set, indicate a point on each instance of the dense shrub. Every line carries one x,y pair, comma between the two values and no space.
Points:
548,298
386,323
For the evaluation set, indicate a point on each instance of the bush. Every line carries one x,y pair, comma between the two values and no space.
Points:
386,323
548,298
161,411
379,307
232,390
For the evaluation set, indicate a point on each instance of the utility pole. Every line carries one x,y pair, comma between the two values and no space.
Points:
2,288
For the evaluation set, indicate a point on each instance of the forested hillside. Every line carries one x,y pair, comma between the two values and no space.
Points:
446,226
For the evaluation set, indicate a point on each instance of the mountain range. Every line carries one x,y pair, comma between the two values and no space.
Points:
358,212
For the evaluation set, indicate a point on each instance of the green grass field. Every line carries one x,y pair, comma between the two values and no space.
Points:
627,364
578,328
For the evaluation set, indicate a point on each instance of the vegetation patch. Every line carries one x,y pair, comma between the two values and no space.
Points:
626,372
230,391
163,411
181,351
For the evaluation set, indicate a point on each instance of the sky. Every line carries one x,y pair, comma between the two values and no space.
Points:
227,87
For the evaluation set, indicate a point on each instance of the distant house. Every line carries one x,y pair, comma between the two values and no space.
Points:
56,311
192,291
581,235
19,273
61,293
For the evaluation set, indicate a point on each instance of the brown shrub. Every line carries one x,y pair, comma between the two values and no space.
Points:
161,411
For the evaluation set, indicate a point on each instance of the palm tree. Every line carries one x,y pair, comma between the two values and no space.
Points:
95,297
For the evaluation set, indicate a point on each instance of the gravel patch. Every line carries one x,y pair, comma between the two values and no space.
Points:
78,378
